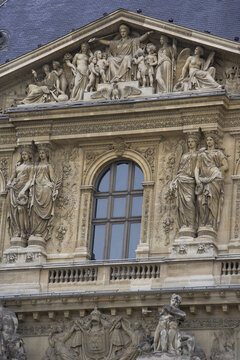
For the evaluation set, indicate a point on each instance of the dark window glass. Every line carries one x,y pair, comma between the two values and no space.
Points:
134,239
117,211
121,177
137,206
99,237
138,178
116,246
101,208
104,182
119,206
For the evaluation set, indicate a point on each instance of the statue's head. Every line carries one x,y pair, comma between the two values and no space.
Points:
212,139
43,151
193,140
124,30
55,64
46,68
151,48
175,300
164,39
84,47
199,51
26,152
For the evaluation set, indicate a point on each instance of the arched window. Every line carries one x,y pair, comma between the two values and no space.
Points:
117,211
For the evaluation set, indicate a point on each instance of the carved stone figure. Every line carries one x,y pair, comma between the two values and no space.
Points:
151,62
166,64
169,342
44,190
210,168
223,346
93,74
11,345
40,91
139,60
197,73
102,64
232,83
184,187
121,53
167,337
79,68
137,336
96,336
18,197
113,92
58,347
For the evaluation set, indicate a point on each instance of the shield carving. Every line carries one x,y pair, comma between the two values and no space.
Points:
96,344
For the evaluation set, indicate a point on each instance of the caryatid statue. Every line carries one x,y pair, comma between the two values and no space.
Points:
184,187
18,197
209,173
44,190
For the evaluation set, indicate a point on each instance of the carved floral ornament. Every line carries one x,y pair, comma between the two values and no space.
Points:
129,64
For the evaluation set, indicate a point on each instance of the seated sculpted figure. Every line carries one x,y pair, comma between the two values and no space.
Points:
167,336
121,53
197,73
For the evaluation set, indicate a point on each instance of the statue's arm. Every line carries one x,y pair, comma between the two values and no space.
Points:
196,173
185,68
101,41
224,166
145,36
51,172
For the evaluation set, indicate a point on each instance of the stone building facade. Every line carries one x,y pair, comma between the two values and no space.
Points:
120,186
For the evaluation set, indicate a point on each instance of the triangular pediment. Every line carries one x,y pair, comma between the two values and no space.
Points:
219,54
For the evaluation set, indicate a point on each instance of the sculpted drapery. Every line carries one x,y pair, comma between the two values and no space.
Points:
211,165
121,53
165,67
42,192
18,196
184,185
31,195
197,73
198,186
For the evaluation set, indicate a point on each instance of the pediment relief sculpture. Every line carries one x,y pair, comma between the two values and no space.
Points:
129,64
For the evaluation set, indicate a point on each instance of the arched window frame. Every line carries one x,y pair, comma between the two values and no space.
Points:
83,241
127,220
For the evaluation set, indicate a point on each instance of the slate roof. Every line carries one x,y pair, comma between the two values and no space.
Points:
30,23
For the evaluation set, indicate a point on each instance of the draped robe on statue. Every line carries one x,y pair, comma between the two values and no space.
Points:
120,58
185,187
42,202
210,199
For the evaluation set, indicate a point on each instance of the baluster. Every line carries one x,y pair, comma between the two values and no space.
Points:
148,269
81,274
50,277
157,271
237,268
223,269
60,274
118,275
